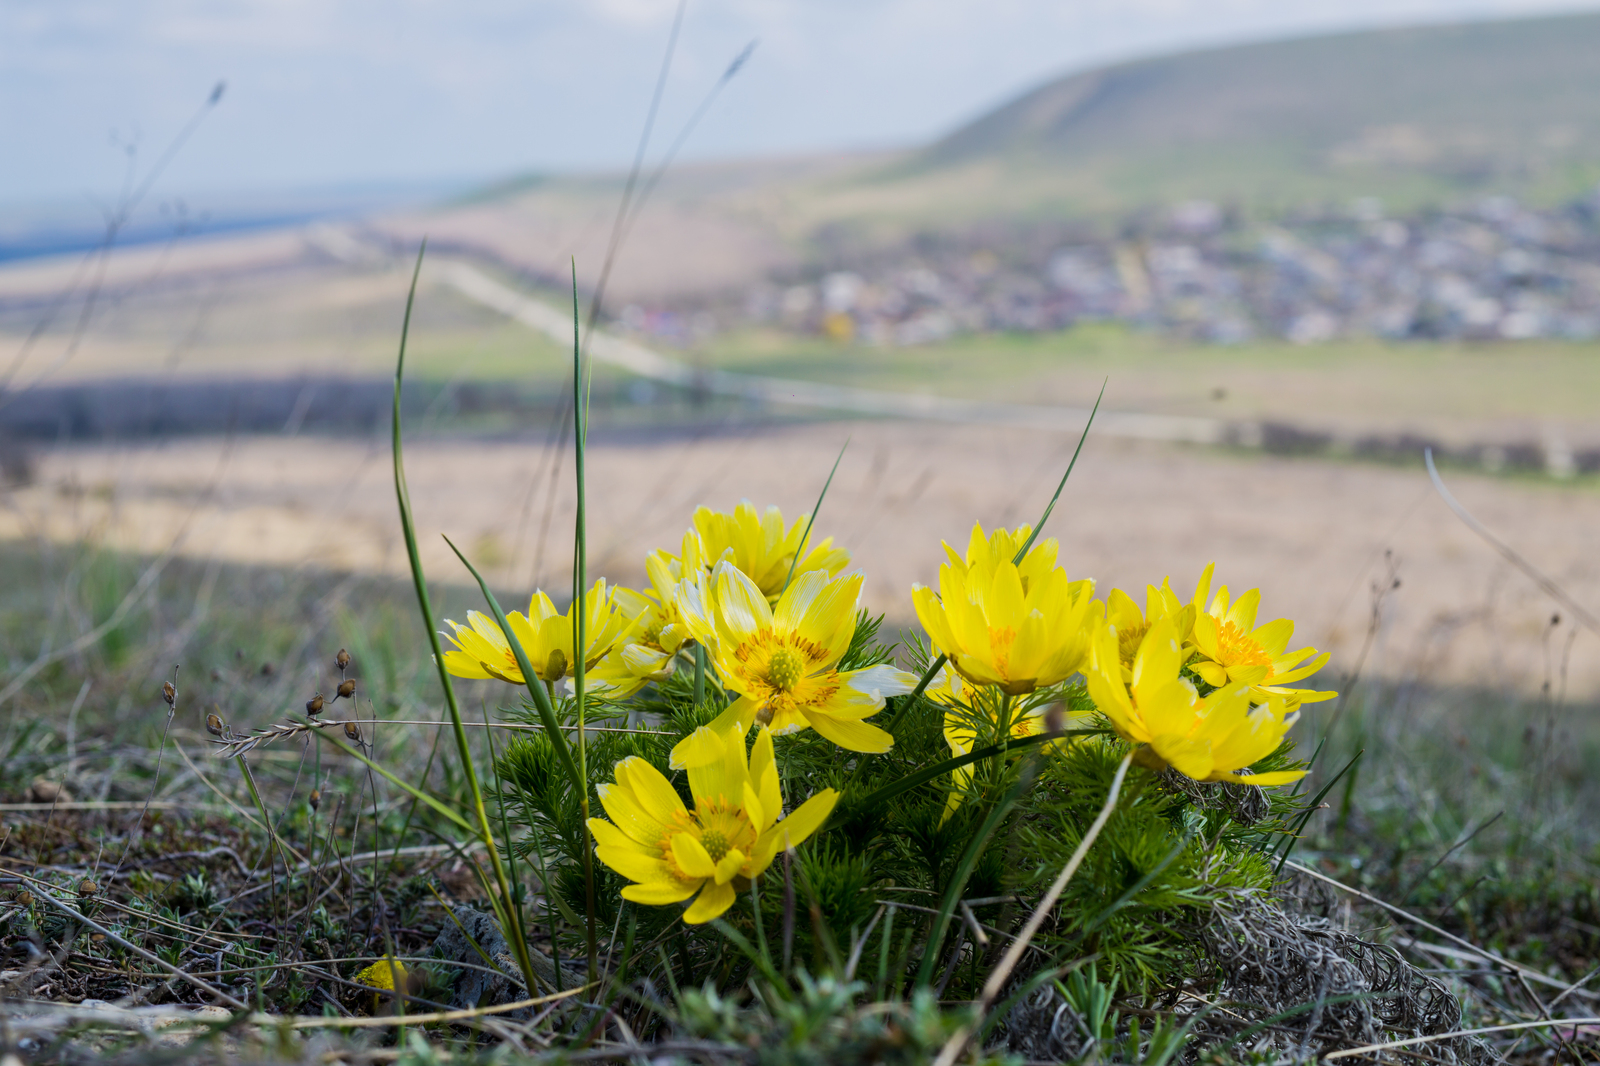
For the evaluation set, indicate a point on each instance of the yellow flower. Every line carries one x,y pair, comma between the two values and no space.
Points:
729,838
656,633
1210,738
382,974
1016,626
1132,624
481,649
783,660
1232,648
381,977
763,547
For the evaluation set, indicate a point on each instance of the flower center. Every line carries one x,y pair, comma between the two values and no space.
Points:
1237,648
715,843
783,669
1128,641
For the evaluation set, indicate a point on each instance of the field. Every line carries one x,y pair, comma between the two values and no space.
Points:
237,565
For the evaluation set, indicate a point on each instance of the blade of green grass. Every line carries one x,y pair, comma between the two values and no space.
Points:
812,518
510,916
580,651
1022,552
1311,808
541,698
964,868
1051,506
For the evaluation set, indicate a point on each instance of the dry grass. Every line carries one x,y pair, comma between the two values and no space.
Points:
1312,533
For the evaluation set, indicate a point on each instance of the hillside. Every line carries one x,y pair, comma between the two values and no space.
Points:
1409,114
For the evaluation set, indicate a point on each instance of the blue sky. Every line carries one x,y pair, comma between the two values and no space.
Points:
329,92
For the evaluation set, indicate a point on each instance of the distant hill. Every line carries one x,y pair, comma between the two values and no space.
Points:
1408,114
1417,117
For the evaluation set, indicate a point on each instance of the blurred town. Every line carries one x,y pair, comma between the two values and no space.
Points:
1497,270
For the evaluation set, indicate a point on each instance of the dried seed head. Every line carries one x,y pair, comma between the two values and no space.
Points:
169,693
87,887
314,704
347,688
25,898
342,660
352,731
215,725
316,798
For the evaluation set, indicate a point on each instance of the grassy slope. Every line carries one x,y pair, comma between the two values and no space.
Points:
1412,115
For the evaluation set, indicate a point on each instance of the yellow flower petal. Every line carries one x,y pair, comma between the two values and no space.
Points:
655,793
660,893
804,820
852,736
691,856
730,865
713,901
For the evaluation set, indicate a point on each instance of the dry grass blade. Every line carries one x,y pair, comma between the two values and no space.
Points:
1370,1049
1510,554
302,1022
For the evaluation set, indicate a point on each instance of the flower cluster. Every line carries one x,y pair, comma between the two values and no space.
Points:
1196,685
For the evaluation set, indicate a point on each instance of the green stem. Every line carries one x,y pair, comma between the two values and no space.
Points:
939,769
969,861
540,691
1051,506
272,840
699,674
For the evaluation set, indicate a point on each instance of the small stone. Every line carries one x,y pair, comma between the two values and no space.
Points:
476,988
46,791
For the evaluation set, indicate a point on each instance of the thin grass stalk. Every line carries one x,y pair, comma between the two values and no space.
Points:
517,895
138,826
760,921
511,916
1311,808
811,519
272,841
1038,526
580,577
788,908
